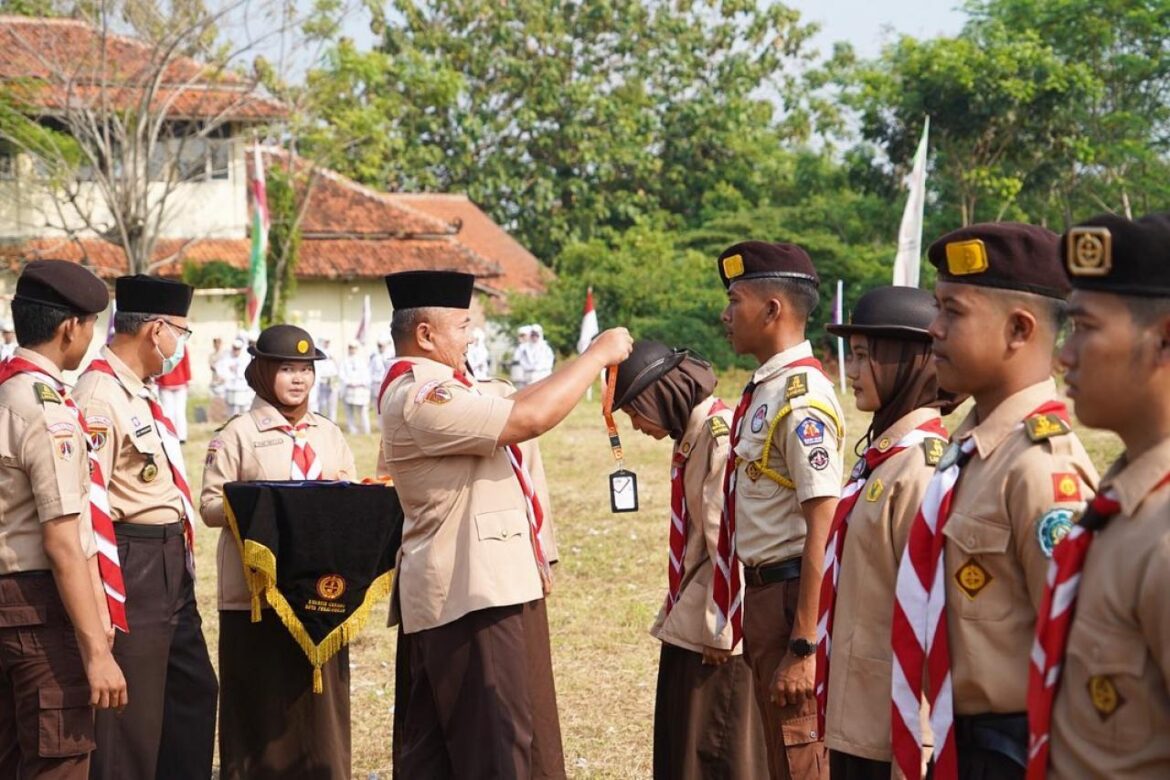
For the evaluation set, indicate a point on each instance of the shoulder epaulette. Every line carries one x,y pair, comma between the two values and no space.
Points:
796,385
718,427
45,394
1046,426
934,449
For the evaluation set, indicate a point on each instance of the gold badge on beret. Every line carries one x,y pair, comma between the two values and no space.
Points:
1090,251
733,266
302,346
972,578
966,257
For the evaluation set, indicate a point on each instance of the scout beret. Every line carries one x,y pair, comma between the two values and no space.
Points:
419,289
1113,254
62,284
1004,255
142,294
647,362
763,260
892,312
285,342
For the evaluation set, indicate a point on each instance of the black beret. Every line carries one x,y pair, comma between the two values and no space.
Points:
1113,254
142,294
418,289
763,260
63,284
892,312
1004,255
648,361
285,342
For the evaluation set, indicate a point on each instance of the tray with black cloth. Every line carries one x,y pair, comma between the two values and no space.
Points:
319,553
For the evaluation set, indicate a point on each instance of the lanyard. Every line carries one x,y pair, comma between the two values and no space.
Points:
623,484
615,441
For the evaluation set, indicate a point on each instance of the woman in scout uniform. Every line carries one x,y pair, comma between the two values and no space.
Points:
705,720
271,722
893,378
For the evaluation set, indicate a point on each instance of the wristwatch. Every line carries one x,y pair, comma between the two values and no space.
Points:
802,648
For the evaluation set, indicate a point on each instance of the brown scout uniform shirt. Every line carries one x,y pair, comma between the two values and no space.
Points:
251,447
857,714
1111,717
127,442
789,452
704,445
1008,495
44,470
465,541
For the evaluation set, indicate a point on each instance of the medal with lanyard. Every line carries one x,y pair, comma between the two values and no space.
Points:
623,484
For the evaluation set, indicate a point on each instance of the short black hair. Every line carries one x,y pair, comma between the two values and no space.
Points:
403,322
1146,310
129,323
802,295
36,323
1050,311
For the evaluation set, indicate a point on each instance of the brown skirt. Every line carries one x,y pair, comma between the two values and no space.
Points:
271,724
706,724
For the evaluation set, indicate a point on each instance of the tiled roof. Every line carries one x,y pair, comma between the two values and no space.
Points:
476,230
52,64
108,260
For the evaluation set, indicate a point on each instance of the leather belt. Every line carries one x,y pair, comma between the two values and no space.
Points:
144,531
1006,735
768,573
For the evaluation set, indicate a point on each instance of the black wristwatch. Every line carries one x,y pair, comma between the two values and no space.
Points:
802,648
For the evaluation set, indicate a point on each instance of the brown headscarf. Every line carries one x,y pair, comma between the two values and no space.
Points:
669,400
905,378
261,375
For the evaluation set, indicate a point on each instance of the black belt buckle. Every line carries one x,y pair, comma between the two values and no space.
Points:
769,573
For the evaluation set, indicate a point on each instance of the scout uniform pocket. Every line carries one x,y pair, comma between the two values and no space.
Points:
65,722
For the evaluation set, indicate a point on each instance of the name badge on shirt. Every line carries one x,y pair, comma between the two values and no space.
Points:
623,491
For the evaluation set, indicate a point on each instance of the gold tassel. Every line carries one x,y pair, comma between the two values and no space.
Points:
318,682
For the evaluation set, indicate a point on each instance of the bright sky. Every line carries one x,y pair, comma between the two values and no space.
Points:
868,24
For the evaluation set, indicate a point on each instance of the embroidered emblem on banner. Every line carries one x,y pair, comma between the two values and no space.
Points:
331,587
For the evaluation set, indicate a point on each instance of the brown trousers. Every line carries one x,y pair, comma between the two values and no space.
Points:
795,749
271,724
706,725
846,766
167,731
46,723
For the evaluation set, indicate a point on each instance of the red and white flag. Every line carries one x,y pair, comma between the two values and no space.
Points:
363,330
589,329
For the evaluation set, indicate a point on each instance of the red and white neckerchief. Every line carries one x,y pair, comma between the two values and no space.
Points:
835,547
919,631
305,465
532,505
1054,622
680,518
109,568
172,449
727,587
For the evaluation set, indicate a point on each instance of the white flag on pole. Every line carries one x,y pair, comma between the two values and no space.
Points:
588,323
363,329
909,257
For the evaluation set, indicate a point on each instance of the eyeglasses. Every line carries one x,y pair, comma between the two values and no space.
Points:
184,333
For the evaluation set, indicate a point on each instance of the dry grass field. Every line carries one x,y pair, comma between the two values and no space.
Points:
609,584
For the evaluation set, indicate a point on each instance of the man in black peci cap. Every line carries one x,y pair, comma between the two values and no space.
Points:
1005,491
168,730
780,492
54,643
1099,688
471,564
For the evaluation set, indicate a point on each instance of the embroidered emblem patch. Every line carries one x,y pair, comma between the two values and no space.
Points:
62,429
1066,487
1090,251
796,385
858,469
810,431
1045,426
934,449
45,394
331,587
718,427
874,491
759,418
972,578
425,390
439,395
1053,527
1104,696
149,472
753,471
819,459
98,437
99,421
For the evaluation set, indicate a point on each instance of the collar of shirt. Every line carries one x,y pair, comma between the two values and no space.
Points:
41,362
425,369
992,432
267,418
129,380
695,423
903,425
1133,482
773,365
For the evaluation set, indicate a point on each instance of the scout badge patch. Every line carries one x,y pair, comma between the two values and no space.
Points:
321,554
623,484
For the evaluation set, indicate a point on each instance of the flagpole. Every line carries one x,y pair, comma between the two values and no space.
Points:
840,317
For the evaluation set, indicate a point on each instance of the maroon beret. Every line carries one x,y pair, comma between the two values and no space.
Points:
764,260
1005,255
1118,255
63,284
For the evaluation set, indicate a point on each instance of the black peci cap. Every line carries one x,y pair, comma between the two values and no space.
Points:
1113,254
890,312
763,260
1003,255
142,294
648,361
62,284
285,342
418,289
